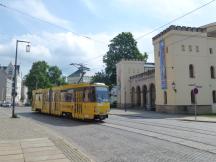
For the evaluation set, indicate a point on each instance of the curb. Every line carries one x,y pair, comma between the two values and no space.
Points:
192,120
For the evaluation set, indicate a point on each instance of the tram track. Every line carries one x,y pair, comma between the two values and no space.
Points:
170,126
165,137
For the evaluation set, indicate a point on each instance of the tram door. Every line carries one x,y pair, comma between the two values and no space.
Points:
57,103
44,102
78,104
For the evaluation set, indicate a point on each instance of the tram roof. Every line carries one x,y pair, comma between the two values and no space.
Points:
67,86
40,90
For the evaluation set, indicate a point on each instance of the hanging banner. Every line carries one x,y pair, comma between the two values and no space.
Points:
163,65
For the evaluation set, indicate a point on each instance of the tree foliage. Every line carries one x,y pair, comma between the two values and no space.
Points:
123,46
55,76
100,77
42,75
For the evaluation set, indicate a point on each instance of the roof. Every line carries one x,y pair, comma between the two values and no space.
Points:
179,28
76,73
149,64
144,74
6,67
208,25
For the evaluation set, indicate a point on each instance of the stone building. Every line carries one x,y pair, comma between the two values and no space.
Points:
132,77
185,58
143,90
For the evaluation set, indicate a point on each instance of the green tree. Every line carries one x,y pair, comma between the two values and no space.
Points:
55,76
100,77
41,75
123,46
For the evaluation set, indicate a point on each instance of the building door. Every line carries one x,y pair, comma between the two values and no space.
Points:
144,96
152,96
138,96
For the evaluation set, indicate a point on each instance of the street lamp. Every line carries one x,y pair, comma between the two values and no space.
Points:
14,93
174,86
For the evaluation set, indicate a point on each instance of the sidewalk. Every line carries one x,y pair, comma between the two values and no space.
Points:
22,140
157,115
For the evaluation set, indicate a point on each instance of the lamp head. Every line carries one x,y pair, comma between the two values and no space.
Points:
28,46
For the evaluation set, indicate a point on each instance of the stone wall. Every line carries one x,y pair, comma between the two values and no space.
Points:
188,109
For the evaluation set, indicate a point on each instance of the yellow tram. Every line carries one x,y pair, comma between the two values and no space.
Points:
79,101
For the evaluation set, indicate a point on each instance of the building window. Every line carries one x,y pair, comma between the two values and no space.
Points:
212,71
191,71
167,50
183,47
214,96
192,97
190,48
210,50
165,97
197,48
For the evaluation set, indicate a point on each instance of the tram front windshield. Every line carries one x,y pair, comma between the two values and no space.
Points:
102,94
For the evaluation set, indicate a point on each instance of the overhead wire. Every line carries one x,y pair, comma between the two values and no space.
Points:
175,19
87,37
50,23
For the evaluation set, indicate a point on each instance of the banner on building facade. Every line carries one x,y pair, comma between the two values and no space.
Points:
163,65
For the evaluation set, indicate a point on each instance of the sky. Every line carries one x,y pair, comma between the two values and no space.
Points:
59,31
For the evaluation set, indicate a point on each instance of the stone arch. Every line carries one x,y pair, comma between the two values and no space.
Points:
133,96
152,96
144,90
138,94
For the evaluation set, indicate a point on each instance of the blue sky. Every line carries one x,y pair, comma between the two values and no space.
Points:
99,19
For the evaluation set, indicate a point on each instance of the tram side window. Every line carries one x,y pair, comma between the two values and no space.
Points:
89,95
92,97
85,95
38,97
47,95
68,97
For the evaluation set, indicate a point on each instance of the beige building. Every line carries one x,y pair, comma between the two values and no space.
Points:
143,89
185,59
132,77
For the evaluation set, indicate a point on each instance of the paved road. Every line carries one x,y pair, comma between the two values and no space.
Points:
136,139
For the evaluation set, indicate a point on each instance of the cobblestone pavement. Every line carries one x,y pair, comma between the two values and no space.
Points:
18,136
129,138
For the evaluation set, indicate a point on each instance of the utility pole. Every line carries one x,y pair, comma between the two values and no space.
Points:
82,68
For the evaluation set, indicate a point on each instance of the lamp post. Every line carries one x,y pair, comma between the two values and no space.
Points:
14,93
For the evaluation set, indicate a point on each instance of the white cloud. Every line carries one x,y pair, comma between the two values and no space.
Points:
63,48
59,49
36,8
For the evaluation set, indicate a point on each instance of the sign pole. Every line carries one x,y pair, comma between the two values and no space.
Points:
195,110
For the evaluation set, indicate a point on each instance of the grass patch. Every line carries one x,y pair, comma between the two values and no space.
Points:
212,115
